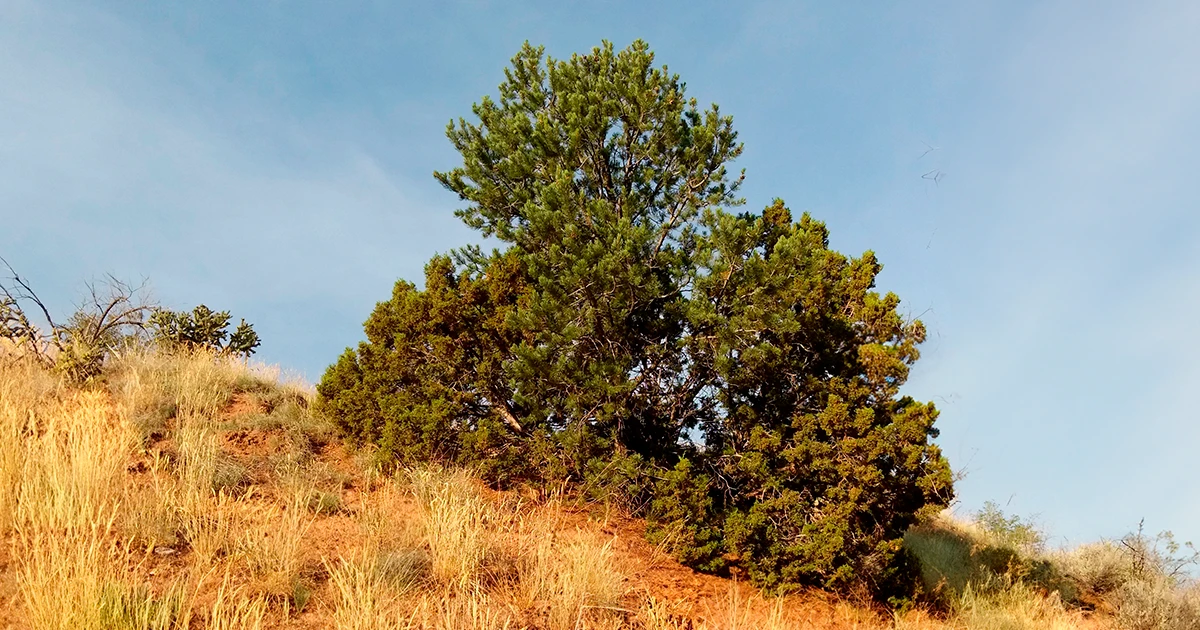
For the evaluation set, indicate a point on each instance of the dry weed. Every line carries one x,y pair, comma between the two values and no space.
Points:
573,579
234,610
457,609
72,464
208,523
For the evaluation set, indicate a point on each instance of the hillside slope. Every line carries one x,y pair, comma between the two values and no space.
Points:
200,492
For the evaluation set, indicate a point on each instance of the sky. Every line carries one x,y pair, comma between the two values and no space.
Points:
275,159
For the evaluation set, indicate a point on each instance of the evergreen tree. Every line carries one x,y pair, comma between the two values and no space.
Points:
727,373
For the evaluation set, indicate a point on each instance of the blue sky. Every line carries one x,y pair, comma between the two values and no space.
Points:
275,159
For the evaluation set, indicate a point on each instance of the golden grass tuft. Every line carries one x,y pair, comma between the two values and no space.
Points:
458,525
656,614
473,609
208,525
273,547
150,514
73,463
80,581
574,579
26,391
235,610
1018,607
365,596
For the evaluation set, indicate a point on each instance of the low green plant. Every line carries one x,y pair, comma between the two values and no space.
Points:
1009,530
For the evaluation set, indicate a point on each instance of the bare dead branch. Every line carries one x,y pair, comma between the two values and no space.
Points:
28,294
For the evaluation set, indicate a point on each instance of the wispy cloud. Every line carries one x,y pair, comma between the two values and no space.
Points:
112,162
1065,266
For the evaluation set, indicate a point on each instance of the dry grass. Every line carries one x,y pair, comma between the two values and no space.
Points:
1014,608
26,390
203,469
365,597
741,614
81,582
272,549
475,609
986,582
1098,568
232,609
1156,604
208,525
150,514
314,484
73,456
574,579
458,526
742,609
484,550
656,614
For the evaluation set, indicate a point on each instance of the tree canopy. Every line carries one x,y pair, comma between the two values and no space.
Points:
726,373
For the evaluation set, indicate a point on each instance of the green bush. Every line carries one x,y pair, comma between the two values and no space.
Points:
727,374
202,329
1009,530
682,515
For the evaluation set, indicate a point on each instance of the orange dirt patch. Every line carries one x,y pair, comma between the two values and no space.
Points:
697,599
246,443
244,405
10,615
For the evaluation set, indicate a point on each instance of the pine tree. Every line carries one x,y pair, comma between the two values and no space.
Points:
728,374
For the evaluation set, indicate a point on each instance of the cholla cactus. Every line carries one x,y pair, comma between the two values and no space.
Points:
202,328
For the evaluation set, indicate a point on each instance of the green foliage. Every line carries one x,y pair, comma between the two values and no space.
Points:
202,329
1009,530
729,375
80,362
682,514
428,381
